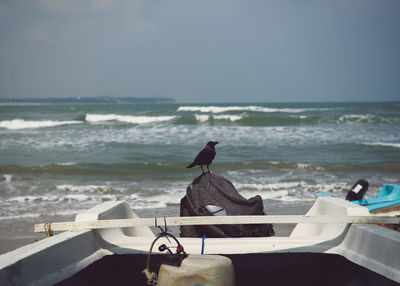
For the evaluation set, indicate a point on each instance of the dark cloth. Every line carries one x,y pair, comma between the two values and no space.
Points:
209,189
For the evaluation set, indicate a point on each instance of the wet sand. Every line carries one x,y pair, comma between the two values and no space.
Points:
15,233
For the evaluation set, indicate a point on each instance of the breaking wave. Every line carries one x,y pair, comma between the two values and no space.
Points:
383,144
226,117
246,119
221,109
368,118
213,115
26,124
94,118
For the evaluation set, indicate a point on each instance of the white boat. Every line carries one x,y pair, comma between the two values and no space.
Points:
335,243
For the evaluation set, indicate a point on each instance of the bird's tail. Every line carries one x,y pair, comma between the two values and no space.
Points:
191,165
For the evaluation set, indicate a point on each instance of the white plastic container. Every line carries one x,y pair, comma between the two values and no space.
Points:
215,270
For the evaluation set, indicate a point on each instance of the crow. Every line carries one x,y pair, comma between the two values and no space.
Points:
205,156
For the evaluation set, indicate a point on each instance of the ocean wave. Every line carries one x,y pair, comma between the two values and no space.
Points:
384,144
94,118
89,189
290,191
7,178
357,118
28,214
368,118
52,198
19,216
27,124
135,173
158,199
81,197
74,198
232,118
246,119
222,109
300,166
277,120
92,169
139,202
28,198
66,164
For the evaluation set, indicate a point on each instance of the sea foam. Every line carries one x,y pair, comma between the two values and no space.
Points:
7,178
89,189
25,124
357,117
368,118
289,191
384,144
204,118
221,109
127,118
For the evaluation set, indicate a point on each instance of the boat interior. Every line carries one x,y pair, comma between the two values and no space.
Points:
328,253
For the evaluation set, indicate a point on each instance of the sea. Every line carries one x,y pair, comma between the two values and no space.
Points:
58,160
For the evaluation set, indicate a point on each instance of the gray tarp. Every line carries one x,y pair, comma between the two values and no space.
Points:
209,189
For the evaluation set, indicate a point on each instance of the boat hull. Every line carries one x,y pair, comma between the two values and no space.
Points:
56,259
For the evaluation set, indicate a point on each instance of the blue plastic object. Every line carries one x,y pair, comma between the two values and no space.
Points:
320,194
389,196
202,243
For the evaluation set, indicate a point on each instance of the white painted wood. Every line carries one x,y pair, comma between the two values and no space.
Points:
215,220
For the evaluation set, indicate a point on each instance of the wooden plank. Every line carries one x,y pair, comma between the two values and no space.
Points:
215,220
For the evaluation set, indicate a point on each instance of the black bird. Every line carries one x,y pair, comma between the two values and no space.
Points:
205,156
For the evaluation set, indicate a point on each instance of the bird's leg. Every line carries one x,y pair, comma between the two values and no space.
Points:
208,168
201,166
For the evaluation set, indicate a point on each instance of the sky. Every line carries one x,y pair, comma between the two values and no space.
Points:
201,51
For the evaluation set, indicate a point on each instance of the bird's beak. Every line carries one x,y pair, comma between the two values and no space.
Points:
216,143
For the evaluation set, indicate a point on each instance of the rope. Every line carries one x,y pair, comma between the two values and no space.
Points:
47,229
152,276
164,231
